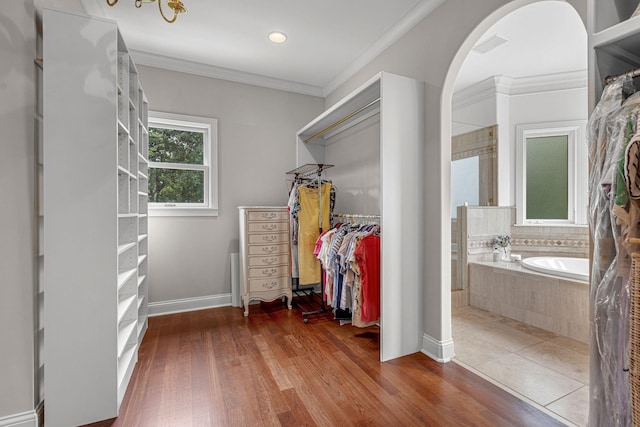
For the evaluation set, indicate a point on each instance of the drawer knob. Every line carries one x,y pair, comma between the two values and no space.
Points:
271,238
270,261
269,249
269,227
270,215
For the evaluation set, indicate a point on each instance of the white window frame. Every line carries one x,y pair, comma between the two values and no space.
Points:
577,169
209,127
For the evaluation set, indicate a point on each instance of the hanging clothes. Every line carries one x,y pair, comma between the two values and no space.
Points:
308,229
350,256
613,216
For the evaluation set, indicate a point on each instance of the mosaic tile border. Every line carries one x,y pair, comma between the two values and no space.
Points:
526,242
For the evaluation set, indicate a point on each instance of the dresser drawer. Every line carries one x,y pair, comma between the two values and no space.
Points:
266,271
268,215
261,239
271,284
266,261
268,249
268,227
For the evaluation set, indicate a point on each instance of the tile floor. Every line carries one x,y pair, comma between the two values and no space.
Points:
545,369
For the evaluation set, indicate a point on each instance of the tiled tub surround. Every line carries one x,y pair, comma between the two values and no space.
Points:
555,304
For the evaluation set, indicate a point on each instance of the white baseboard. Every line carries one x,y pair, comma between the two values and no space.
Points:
25,419
440,351
188,304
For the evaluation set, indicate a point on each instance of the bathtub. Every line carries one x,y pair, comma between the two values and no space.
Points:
572,268
556,304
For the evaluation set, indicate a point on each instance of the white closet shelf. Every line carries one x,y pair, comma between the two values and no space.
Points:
142,237
142,175
142,193
122,128
124,368
141,279
140,301
616,33
124,171
141,259
124,343
142,157
124,305
125,275
123,248
127,215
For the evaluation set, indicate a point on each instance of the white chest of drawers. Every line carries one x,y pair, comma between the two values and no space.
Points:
265,262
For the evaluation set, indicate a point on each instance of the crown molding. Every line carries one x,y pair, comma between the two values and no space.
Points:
489,87
205,70
549,82
483,90
410,20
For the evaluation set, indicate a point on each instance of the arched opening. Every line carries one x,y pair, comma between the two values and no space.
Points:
493,119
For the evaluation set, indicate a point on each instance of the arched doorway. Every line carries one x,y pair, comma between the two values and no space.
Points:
500,355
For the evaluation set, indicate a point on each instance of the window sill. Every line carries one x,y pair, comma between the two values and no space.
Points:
183,212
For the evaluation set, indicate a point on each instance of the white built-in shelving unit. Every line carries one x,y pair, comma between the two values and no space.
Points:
95,183
614,42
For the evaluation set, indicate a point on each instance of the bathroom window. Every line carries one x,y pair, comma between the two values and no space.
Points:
551,173
182,165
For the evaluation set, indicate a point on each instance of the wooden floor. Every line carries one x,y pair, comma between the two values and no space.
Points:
218,368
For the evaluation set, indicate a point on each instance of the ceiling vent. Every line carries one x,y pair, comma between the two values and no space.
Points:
489,44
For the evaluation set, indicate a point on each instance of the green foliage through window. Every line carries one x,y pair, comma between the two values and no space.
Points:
175,146
176,184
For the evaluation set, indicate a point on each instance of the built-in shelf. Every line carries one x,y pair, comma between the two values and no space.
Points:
141,259
124,305
125,247
124,276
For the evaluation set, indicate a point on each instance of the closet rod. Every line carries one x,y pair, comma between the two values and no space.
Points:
357,216
341,121
633,74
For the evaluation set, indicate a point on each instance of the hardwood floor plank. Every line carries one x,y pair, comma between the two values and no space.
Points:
218,368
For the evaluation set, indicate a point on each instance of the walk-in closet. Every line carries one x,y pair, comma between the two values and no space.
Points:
373,138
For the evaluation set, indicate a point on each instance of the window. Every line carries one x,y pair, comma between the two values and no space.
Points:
551,173
182,165
465,183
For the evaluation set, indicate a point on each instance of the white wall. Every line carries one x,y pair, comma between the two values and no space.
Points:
426,53
357,168
17,216
190,257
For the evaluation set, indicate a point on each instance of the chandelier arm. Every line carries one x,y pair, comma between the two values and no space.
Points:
175,13
112,3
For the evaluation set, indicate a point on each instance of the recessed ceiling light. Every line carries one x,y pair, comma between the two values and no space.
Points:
277,37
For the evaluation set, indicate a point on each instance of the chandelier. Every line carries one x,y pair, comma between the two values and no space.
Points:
175,5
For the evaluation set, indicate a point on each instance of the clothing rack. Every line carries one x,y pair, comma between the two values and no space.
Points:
632,74
317,304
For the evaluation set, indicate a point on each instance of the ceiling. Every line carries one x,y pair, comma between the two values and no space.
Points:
543,38
330,40
228,38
